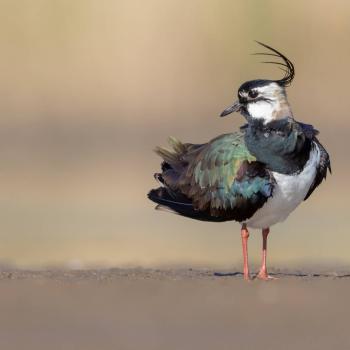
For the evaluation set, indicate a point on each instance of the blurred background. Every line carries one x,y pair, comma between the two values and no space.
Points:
88,88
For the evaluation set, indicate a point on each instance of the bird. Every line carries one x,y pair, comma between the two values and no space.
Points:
257,175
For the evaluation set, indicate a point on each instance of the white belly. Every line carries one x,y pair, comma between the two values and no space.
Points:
289,192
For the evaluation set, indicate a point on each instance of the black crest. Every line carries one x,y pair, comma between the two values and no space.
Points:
287,65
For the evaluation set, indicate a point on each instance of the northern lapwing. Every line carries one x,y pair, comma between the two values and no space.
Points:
257,175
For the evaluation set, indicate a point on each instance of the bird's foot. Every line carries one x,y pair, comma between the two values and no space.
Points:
263,275
247,277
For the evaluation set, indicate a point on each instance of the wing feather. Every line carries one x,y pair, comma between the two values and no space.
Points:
221,179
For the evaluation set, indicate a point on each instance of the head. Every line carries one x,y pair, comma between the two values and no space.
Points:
262,99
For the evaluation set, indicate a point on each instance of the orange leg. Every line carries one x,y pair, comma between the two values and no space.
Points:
263,269
245,235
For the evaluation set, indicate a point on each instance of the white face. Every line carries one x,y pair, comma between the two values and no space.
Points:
269,104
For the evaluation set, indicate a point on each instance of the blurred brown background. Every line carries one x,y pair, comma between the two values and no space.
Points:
89,87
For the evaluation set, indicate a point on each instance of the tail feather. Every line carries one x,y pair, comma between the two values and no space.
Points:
171,156
180,205
167,155
177,145
159,178
166,197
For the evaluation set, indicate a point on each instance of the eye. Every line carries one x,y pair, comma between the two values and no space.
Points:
253,93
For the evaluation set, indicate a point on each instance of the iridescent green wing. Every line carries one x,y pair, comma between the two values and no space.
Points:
223,177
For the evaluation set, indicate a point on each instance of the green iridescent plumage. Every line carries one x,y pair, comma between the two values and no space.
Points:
221,178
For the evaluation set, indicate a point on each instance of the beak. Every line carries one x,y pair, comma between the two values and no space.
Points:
234,108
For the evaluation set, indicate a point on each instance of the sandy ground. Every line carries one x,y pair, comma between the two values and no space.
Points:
172,309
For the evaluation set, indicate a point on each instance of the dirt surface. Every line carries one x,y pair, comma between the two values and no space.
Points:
173,309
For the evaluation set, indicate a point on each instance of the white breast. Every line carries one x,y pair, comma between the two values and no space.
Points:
289,192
